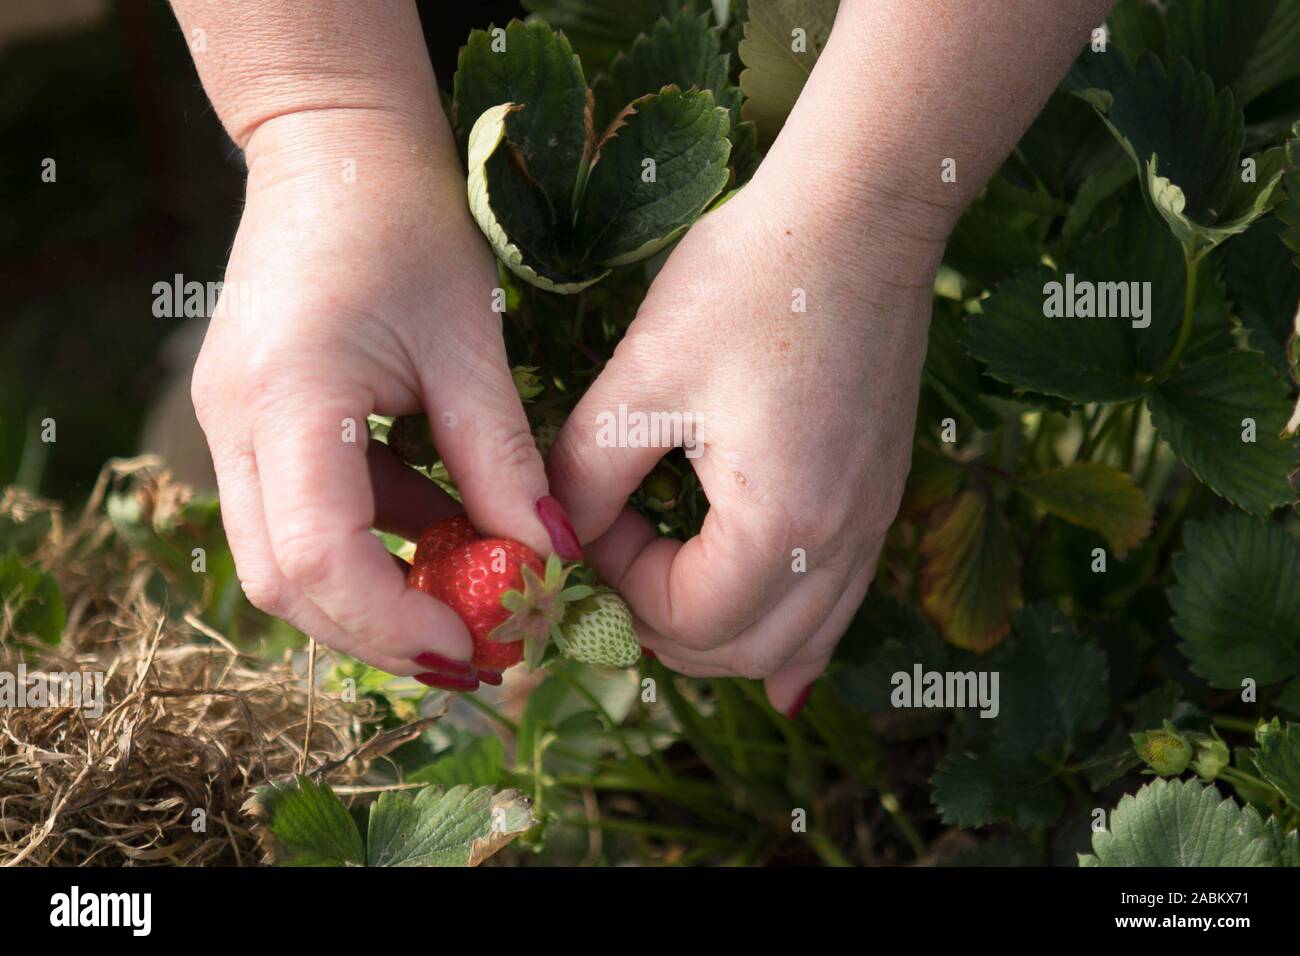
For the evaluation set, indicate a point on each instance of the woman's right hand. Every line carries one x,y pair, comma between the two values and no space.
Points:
371,291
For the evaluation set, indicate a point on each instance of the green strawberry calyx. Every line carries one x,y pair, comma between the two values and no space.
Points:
537,611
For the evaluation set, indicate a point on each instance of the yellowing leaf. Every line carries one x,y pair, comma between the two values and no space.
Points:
970,583
1094,496
783,39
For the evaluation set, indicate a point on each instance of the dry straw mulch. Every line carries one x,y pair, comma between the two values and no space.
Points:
190,723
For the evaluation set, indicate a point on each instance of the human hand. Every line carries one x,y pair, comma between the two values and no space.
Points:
372,293
806,421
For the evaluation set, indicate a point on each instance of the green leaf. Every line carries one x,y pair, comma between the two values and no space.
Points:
1067,144
1235,602
973,790
626,218
1248,47
1094,496
970,582
885,637
538,71
1201,413
1186,141
685,52
1116,756
1087,359
478,764
310,826
601,28
1278,758
1181,823
1053,685
522,234
1289,210
32,601
1266,290
433,827
1284,845
955,377
778,59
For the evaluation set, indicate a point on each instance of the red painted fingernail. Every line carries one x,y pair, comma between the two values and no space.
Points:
557,525
436,662
448,681
649,654
799,701
490,677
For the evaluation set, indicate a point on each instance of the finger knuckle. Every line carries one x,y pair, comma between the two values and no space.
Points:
303,554
515,450
756,663
267,593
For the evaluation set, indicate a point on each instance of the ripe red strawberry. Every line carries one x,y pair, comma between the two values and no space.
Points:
511,605
443,538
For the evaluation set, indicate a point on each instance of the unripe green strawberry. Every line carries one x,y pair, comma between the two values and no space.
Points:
598,630
1165,751
412,440
661,488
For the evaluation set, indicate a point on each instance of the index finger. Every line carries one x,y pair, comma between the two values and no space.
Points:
319,512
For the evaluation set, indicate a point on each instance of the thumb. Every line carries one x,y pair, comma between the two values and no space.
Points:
481,432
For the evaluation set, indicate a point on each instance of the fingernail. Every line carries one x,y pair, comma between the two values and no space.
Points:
557,525
490,677
649,654
437,662
448,681
793,711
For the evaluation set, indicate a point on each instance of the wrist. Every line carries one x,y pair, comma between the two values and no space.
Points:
327,153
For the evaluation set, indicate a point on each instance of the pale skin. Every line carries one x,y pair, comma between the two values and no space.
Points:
375,295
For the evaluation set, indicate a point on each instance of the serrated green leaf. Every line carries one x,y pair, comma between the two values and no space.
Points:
491,170
478,764
538,71
1284,845
1289,210
975,790
1094,496
1180,823
1186,140
1087,359
1266,290
970,581
685,52
1053,684
618,20
436,827
1247,47
777,61
630,210
884,638
1202,411
309,825
32,601
1278,758
1235,602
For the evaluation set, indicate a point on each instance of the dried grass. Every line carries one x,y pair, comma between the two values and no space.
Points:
190,724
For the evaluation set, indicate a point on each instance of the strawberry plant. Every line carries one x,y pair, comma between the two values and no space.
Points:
1101,507
1082,641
